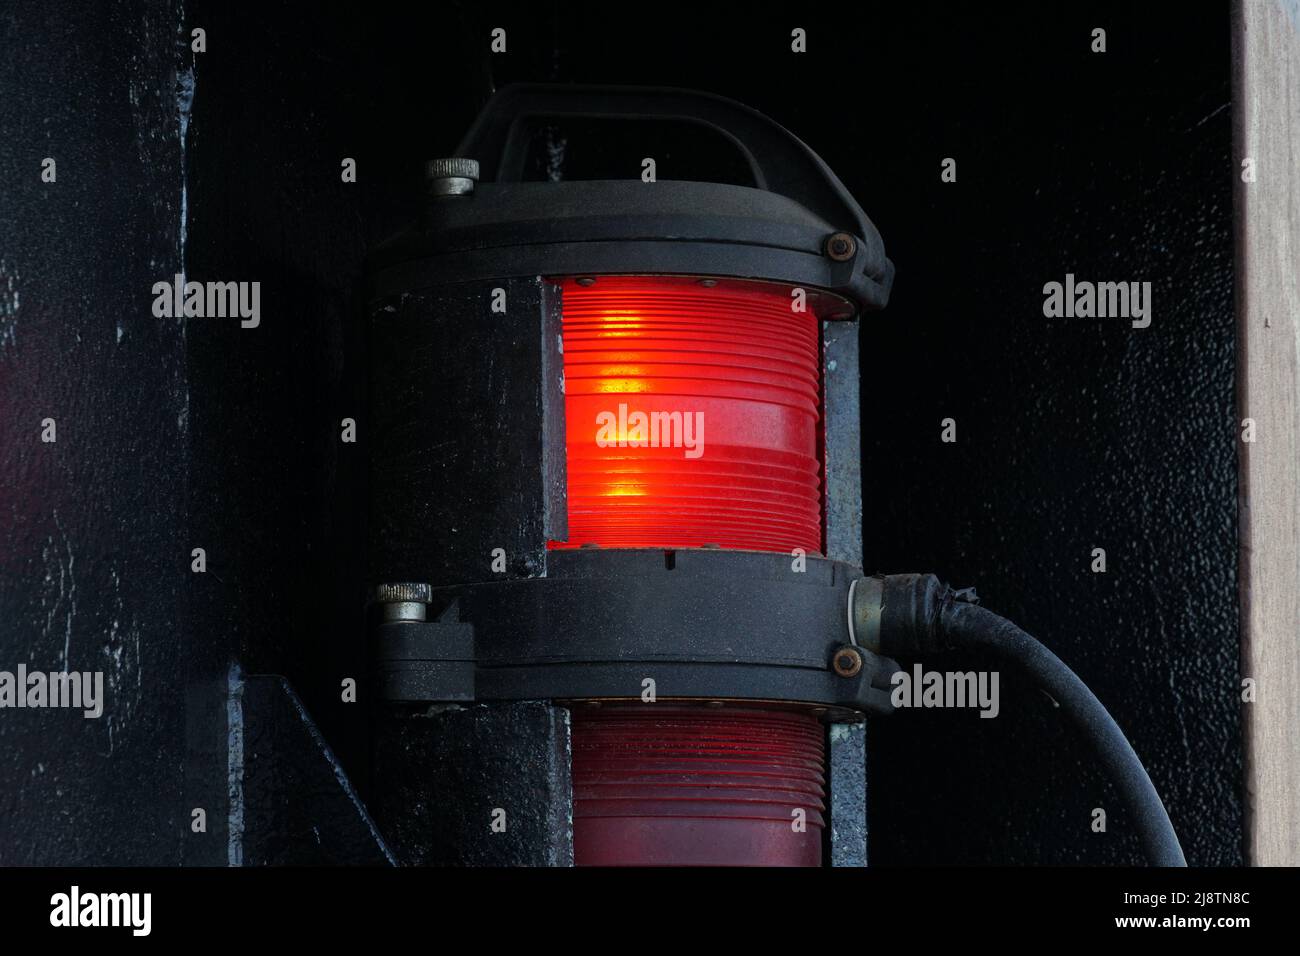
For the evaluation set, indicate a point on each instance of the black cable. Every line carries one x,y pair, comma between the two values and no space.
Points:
920,614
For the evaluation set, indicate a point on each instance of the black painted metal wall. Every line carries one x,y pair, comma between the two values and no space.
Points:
1072,434
93,546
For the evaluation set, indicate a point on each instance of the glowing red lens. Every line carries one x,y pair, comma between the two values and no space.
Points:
693,410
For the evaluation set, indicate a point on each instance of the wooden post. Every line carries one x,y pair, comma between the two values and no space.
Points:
1266,107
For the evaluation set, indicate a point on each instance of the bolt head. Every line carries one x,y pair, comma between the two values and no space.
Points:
847,662
841,246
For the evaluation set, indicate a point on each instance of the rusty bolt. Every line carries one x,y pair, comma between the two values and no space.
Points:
847,662
840,246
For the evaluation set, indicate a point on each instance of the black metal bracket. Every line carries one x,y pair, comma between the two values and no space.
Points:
699,624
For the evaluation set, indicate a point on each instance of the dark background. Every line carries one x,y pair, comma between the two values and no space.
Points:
1072,433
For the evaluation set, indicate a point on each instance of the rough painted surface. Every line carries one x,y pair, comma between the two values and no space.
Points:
460,458
93,555
842,482
283,95
295,806
848,794
1072,434
486,785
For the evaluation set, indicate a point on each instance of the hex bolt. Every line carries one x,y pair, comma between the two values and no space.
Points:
403,602
847,662
841,246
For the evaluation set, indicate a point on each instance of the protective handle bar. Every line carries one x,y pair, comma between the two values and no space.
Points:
780,162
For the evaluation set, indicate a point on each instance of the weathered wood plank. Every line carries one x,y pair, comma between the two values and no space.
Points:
1266,95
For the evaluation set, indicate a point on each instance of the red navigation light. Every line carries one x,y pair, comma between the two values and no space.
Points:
693,413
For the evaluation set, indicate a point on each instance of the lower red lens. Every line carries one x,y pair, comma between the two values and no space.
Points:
667,785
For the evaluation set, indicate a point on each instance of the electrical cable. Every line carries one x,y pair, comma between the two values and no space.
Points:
919,614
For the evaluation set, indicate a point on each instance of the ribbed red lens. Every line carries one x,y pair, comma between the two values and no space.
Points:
727,374
659,785
693,418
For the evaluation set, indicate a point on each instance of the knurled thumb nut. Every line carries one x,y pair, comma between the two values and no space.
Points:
403,602
402,593
847,662
455,176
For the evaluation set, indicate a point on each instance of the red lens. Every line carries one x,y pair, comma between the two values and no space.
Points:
661,785
693,413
